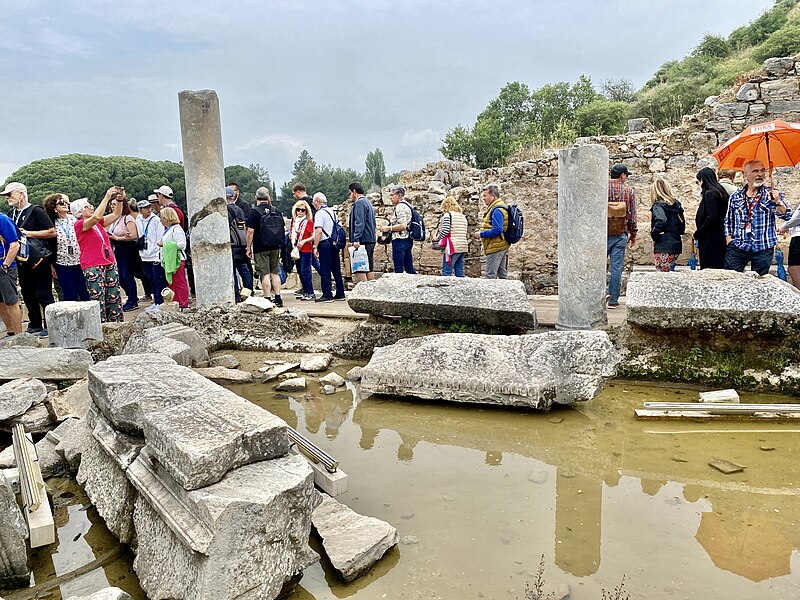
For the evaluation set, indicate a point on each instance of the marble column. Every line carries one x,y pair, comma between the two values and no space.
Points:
582,216
201,135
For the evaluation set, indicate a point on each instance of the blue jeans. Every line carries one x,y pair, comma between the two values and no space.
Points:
330,266
72,282
401,256
247,279
304,270
155,275
736,259
616,254
456,264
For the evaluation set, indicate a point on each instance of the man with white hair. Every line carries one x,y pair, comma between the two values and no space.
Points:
35,280
329,263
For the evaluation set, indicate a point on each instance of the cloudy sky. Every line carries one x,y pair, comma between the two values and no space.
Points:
338,78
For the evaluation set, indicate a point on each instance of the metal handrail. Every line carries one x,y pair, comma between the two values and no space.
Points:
30,478
315,453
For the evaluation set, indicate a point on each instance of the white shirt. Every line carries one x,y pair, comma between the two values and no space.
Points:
153,230
324,220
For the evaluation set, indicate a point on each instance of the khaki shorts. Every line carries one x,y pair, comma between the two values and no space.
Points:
267,262
8,286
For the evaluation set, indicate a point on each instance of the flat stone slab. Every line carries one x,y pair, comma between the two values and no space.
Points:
199,442
17,396
712,300
44,363
109,593
69,402
293,384
35,420
532,371
181,343
315,362
491,302
74,324
353,542
225,375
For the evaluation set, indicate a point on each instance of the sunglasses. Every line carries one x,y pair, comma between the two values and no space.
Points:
301,210
62,203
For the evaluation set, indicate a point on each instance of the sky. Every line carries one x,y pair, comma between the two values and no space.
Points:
338,78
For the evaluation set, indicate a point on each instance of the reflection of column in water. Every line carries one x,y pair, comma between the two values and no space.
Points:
578,512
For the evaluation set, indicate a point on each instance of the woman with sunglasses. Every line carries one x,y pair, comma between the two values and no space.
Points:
67,266
302,237
123,234
97,257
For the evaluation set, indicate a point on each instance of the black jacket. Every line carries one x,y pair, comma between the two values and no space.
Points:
667,227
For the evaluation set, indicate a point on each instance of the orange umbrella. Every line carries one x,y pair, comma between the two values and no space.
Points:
776,144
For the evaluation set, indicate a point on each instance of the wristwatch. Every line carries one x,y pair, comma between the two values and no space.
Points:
5,267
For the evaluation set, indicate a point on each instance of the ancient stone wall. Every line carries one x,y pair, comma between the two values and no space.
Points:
676,154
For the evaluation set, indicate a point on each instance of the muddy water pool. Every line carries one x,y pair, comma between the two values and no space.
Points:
480,495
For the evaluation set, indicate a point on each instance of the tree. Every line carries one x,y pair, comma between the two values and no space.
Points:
375,174
249,179
331,181
457,145
714,46
618,90
602,117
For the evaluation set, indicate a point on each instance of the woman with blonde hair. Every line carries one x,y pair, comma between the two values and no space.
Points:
301,235
173,255
453,237
667,225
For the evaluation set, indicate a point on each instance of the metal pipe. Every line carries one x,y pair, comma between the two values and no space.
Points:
719,407
315,453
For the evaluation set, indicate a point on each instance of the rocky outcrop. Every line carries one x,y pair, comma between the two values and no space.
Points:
531,371
493,303
713,300
13,536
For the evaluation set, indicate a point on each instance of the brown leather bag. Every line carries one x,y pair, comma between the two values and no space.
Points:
617,214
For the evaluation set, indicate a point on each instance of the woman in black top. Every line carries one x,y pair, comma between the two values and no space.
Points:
710,219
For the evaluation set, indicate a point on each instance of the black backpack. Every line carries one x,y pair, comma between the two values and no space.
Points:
516,223
238,233
416,228
272,229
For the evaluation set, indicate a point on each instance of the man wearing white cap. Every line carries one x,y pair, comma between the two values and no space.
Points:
164,194
35,280
151,229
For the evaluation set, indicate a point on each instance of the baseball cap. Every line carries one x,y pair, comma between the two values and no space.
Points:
164,190
229,192
619,169
152,198
14,186
143,204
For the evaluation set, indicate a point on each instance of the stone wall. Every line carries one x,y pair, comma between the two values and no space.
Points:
675,153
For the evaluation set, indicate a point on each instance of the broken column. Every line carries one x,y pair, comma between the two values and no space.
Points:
582,216
74,324
203,165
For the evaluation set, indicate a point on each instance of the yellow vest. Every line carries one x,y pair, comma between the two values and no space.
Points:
496,244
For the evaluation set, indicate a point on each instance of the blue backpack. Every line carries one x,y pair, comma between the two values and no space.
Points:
416,228
337,237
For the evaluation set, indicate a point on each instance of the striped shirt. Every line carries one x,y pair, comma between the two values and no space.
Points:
619,192
751,222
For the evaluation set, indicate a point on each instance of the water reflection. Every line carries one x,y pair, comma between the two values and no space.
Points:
600,494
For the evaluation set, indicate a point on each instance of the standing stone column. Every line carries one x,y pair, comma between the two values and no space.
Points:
205,196
582,216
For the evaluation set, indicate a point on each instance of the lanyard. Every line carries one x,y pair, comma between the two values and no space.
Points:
751,207
65,229
146,227
19,213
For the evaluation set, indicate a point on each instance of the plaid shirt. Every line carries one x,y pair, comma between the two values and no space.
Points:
619,192
759,213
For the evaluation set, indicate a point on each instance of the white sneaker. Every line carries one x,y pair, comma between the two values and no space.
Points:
153,307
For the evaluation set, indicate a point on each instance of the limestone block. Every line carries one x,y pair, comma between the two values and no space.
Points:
44,363
21,340
532,371
104,481
256,304
181,343
224,375
69,402
124,396
437,187
272,371
7,460
780,89
13,548
17,396
756,110
730,110
657,165
74,324
35,420
51,463
718,124
110,593
681,161
778,67
333,379
712,300
353,542
294,384
224,360
496,303
243,537
315,362
199,442
72,436
639,125
353,374
748,92
779,107
703,141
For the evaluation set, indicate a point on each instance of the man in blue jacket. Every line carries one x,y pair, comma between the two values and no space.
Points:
362,227
10,312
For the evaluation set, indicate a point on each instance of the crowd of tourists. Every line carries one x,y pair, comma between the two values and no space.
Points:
734,225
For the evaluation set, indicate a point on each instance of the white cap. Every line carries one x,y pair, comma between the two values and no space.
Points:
164,190
14,186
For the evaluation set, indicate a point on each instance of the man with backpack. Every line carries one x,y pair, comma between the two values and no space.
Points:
622,228
238,237
401,237
326,228
266,235
362,228
10,313
495,245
